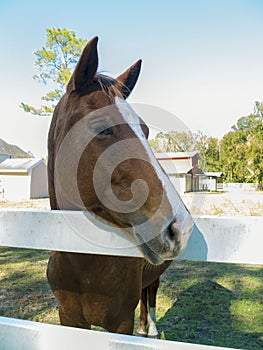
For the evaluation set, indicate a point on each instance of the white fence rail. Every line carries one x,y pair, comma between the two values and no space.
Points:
219,239
19,334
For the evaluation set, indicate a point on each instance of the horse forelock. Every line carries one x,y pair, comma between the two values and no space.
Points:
110,86
101,82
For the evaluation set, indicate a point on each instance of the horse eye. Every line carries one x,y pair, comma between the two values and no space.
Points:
106,132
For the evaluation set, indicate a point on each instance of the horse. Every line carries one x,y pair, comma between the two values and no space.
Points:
100,162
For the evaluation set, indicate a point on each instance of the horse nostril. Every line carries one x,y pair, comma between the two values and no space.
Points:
172,232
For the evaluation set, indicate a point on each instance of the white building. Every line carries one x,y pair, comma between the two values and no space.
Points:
23,179
213,181
183,170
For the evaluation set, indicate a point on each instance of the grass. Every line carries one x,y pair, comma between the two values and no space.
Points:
24,291
213,304
204,303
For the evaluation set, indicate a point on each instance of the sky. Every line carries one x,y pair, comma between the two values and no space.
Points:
202,60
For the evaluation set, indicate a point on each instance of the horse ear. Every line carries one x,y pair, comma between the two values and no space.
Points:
129,78
86,67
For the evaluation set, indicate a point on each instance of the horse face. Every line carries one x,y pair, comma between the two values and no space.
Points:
105,165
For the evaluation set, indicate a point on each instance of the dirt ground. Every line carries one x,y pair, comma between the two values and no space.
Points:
40,204
227,203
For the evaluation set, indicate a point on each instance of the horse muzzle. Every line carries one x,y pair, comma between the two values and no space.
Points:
169,243
175,238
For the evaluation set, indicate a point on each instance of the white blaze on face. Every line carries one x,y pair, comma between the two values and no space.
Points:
178,209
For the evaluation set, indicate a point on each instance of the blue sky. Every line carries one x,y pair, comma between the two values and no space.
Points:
202,60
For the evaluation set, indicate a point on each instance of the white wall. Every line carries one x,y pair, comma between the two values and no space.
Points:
179,183
39,188
236,187
175,166
208,184
16,187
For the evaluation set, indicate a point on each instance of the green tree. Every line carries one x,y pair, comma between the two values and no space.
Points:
258,109
241,149
233,156
55,63
174,141
212,154
207,147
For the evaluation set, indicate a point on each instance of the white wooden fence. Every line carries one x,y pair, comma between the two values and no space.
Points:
219,239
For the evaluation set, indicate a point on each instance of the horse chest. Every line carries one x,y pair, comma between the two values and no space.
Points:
110,275
84,273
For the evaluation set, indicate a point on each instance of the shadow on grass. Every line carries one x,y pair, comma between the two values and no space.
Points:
207,320
24,290
9,255
31,303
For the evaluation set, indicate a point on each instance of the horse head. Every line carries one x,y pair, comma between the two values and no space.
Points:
100,161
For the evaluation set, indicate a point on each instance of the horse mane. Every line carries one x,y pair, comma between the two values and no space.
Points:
112,87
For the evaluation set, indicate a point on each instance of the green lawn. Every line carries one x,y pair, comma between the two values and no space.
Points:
203,303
